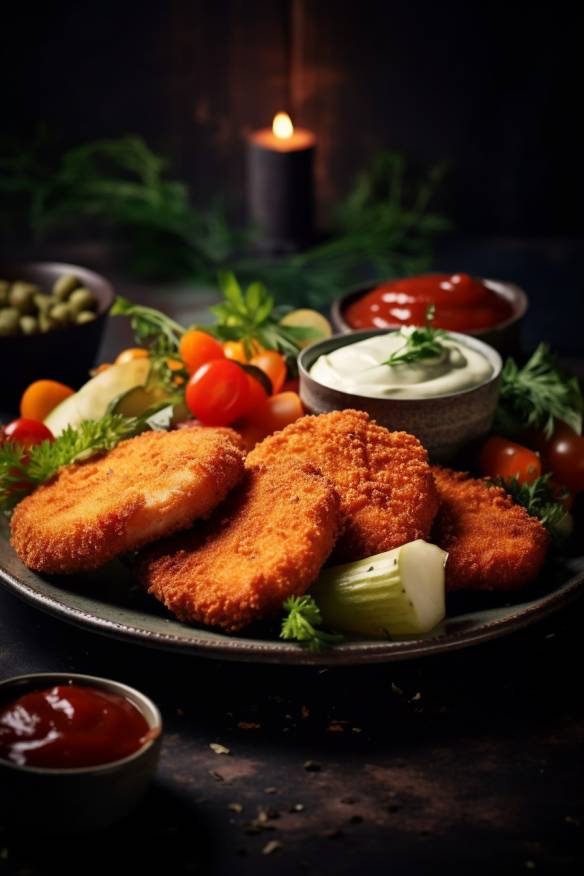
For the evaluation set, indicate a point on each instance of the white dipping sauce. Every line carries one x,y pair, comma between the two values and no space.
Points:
357,369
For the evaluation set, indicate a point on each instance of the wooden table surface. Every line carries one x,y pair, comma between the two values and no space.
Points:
471,760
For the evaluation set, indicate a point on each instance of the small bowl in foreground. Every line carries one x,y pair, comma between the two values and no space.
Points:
504,337
445,424
70,801
65,354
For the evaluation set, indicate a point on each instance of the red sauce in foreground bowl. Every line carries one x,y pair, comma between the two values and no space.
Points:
463,304
70,726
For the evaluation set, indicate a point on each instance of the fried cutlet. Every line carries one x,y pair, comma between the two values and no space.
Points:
383,478
266,542
145,488
492,543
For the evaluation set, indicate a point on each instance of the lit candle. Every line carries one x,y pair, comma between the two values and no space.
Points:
280,188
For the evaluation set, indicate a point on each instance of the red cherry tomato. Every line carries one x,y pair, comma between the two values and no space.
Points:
218,393
197,348
563,455
257,395
27,432
272,364
505,459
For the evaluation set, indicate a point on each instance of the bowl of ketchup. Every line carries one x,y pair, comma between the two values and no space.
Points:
76,752
487,309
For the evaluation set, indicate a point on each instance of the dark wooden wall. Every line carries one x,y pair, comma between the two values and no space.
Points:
492,89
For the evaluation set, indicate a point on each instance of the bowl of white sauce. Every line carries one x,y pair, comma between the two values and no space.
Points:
447,398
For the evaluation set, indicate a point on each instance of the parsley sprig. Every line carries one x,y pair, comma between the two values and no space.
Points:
420,343
533,396
301,622
539,500
252,316
22,470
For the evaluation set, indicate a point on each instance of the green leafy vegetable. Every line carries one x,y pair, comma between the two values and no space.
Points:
420,343
252,316
539,500
533,396
21,471
151,327
302,619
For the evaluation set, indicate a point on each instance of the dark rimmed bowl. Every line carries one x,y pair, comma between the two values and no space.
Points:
505,337
65,354
71,801
444,424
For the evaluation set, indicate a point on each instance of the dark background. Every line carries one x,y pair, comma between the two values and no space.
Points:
491,89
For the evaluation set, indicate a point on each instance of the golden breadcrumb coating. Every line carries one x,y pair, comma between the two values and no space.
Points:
383,478
266,542
145,488
492,543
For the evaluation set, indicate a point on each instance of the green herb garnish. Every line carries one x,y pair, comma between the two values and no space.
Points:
533,396
21,471
252,316
301,621
539,500
151,327
420,343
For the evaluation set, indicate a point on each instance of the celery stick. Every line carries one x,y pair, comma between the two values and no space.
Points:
399,592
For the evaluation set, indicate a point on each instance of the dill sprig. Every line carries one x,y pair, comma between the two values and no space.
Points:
532,397
420,343
301,622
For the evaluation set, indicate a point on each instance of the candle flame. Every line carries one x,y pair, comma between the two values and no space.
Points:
282,126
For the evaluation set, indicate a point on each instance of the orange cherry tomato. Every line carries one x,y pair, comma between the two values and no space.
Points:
563,455
41,397
505,459
280,410
257,396
176,365
196,348
218,393
130,354
272,364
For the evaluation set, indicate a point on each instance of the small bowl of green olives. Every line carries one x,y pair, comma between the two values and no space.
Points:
52,318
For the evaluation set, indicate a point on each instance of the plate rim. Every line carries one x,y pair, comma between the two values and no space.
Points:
278,652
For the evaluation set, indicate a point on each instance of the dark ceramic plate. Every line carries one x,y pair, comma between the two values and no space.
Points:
109,602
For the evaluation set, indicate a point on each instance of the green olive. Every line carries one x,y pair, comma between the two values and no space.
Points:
22,296
9,321
60,313
46,324
65,285
4,290
28,325
85,316
44,302
82,299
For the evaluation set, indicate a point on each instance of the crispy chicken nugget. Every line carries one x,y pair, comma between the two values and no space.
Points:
145,488
383,478
492,543
266,542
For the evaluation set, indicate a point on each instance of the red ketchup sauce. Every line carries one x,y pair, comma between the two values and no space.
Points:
462,304
70,726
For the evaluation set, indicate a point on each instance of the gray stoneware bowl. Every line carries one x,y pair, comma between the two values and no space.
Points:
505,336
445,424
73,801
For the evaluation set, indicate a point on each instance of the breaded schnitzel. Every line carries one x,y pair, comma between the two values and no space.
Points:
492,543
145,488
266,542
383,478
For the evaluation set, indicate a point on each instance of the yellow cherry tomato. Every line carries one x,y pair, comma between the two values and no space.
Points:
41,397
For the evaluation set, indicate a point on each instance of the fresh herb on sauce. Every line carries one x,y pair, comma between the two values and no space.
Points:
420,343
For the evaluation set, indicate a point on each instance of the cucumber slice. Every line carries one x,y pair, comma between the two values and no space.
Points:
92,401
399,592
